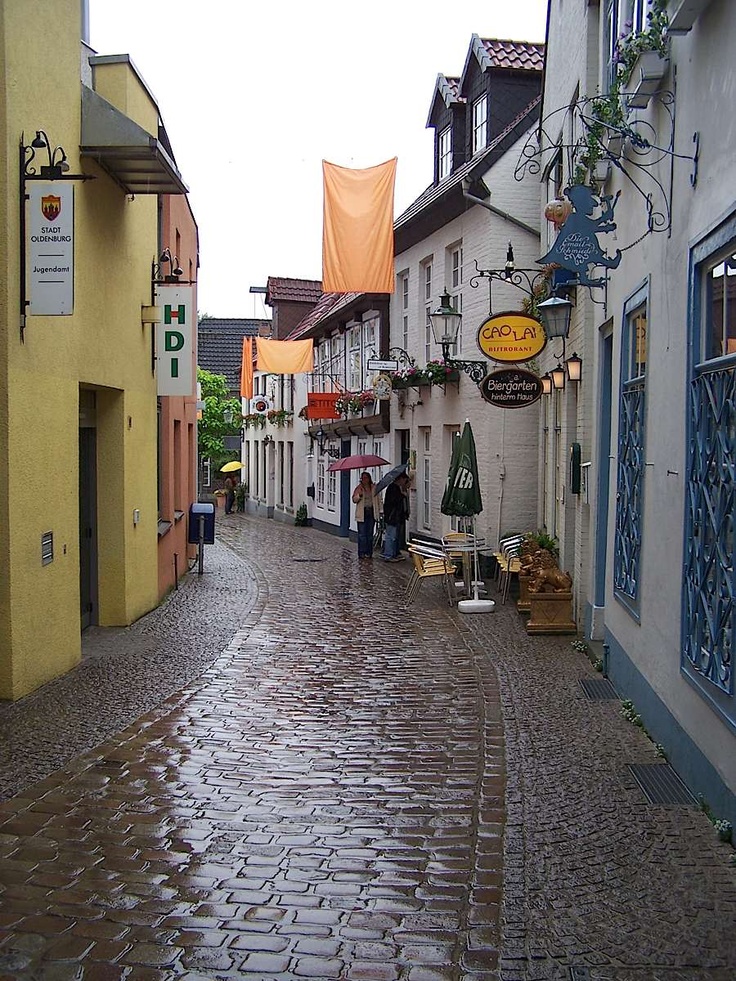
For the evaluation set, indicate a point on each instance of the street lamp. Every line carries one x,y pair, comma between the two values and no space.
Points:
555,314
321,437
574,366
445,321
558,377
546,381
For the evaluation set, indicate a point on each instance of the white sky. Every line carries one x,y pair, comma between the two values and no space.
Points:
254,95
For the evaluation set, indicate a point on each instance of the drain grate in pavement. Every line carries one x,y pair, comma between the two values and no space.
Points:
579,974
660,784
598,689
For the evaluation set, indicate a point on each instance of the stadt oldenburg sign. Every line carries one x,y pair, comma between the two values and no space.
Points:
511,388
511,337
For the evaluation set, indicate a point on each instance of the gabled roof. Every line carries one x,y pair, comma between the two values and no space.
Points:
471,171
294,290
220,345
446,88
493,52
323,306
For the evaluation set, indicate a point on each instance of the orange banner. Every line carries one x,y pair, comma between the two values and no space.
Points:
321,405
285,357
358,229
246,369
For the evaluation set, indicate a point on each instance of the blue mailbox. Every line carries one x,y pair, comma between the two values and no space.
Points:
201,516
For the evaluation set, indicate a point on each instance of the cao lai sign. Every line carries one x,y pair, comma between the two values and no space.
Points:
511,337
175,340
51,249
511,388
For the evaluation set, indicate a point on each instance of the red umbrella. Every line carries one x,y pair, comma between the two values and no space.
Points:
359,461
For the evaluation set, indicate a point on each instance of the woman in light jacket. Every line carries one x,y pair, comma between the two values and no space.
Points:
367,508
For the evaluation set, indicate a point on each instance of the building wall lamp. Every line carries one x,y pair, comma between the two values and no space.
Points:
175,269
558,377
321,437
574,365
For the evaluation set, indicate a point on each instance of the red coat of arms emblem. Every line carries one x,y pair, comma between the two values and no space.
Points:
51,206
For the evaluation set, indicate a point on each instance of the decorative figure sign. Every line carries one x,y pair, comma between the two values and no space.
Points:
576,247
511,388
511,337
382,386
175,340
51,254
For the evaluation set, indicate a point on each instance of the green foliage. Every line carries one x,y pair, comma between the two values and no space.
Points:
300,518
541,539
240,491
212,426
279,417
608,110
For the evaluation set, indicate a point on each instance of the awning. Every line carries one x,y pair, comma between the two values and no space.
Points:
135,159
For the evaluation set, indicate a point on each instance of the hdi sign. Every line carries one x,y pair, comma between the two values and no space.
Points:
175,340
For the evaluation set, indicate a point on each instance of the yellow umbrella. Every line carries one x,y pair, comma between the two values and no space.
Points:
233,465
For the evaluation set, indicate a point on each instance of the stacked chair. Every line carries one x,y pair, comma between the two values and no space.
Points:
430,561
508,563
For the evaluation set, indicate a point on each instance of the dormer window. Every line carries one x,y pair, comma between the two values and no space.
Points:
480,120
444,153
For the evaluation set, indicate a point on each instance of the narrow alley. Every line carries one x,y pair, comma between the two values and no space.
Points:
284,772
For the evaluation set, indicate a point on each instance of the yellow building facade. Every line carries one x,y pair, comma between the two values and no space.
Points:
78,413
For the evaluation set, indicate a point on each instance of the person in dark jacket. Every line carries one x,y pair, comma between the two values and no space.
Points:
395,510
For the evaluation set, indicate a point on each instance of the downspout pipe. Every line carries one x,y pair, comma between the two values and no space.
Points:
497,211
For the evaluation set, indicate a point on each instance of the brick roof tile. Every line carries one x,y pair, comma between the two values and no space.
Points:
296,290
220,346
514,54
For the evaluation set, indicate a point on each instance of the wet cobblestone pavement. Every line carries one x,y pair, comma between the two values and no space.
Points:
327,799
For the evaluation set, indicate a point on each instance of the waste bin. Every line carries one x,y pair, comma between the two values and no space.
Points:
206,513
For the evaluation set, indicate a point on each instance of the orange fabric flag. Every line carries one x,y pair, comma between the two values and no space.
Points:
246,369
285,357
358,229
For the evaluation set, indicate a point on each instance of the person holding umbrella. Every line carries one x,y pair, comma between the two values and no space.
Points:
367,508
395,510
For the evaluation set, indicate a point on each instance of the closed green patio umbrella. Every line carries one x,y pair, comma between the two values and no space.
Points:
462,495
462,499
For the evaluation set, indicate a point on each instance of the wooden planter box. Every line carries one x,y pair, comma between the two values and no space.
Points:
551,613
523,603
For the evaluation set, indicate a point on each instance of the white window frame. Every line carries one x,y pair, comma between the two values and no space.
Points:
331,490
427,275
480,124
444,153
355,360
426,478
321,467
404,293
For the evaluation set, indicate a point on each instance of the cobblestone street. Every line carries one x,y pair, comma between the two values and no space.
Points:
284,772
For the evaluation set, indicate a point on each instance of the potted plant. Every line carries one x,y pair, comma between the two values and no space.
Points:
641,58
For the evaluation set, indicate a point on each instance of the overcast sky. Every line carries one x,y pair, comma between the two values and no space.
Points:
254,94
